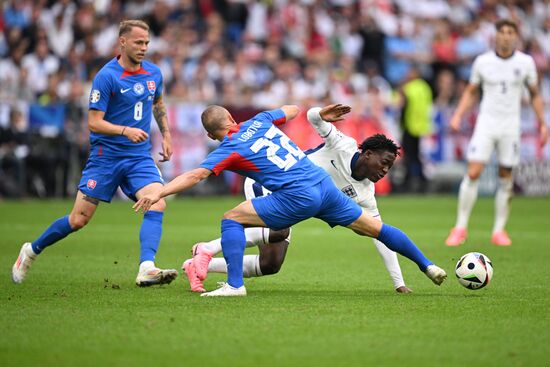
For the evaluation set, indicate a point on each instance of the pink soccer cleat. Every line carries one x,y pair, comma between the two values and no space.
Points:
457,237
501,238
191,275
201,259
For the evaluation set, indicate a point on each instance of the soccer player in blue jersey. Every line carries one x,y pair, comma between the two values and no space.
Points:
258,149
125,93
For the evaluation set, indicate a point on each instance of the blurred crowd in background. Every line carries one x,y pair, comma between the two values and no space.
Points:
250,56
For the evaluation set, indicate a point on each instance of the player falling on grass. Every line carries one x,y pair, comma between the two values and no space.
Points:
501,75
353,171
124,92
300,190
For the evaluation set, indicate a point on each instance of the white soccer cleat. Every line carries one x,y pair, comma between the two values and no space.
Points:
436,274
154,276
23,263
225,290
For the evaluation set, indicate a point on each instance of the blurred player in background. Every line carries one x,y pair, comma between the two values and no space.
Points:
125,93
501,75
353,171
300,190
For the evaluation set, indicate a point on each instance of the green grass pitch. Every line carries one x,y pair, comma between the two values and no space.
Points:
332,304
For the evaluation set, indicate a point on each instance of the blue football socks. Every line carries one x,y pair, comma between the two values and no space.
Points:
55,232
396,240
233,244
149,235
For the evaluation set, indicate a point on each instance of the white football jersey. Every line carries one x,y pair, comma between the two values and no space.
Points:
335,157
502,82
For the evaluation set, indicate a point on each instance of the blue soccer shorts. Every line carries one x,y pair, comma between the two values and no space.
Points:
284,208
102,176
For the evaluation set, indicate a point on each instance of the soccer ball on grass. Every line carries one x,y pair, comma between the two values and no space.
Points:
474,270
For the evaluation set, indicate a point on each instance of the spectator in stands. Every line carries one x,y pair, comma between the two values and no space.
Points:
13,153
39,65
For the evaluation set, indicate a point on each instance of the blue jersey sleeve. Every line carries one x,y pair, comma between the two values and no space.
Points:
218,160
225,157
101,92
276,117
160,87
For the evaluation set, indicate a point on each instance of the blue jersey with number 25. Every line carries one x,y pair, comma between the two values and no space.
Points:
258,149
127,99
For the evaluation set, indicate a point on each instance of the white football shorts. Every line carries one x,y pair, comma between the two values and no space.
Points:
482,145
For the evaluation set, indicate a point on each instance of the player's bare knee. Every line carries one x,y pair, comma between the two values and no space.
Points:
505,172
230,215
78,220
270,265
278,236
474,175
159,206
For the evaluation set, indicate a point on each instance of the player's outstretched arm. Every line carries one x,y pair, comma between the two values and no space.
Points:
181,183
466,101
290,111
320,118
97,124
538,107
334,112
159,111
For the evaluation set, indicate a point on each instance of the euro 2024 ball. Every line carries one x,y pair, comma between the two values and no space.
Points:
474,270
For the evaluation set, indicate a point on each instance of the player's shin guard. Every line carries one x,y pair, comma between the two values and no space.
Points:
150,234
233,244
55,232
398,241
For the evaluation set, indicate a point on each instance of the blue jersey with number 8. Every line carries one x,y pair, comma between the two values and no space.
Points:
258,149
127,100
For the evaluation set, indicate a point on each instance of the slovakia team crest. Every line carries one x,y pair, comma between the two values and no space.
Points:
91,184
151,86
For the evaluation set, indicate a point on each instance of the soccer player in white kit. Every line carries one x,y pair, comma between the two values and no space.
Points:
501,75
353,171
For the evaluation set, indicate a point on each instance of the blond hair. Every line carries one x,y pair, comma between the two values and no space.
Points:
127,26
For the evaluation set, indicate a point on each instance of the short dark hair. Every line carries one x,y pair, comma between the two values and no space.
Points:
380,143
506,23
126,26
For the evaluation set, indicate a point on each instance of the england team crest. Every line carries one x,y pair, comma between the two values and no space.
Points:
151,86
91,184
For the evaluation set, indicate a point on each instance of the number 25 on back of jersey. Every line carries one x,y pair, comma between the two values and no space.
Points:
290,159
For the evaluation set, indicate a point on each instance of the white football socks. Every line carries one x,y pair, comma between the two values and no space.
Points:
146,265
251,266
255,236
392,264
467,197
502,203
